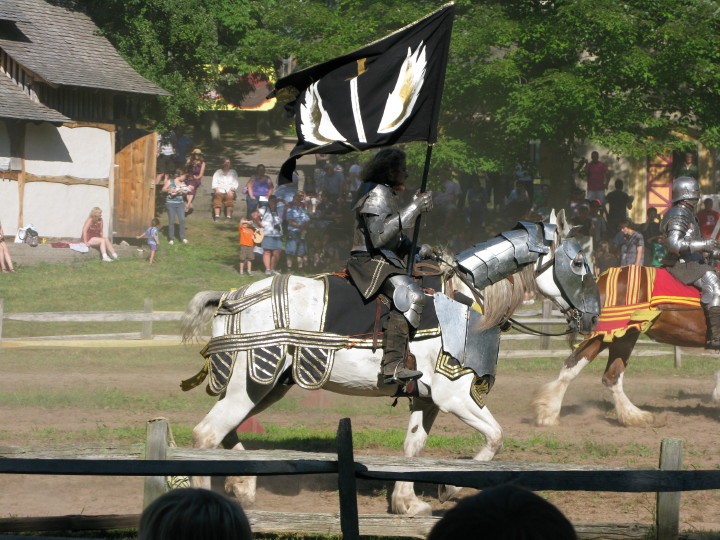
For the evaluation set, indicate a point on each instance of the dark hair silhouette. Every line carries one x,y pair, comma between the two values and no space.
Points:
505,512
193,514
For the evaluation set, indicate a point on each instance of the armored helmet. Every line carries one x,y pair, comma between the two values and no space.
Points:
685,188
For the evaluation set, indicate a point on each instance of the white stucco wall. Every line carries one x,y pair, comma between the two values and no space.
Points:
59,210
82,152
8,205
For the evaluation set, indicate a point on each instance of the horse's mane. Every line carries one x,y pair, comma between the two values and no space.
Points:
505,296
501,299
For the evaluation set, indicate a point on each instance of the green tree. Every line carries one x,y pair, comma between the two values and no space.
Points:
633,76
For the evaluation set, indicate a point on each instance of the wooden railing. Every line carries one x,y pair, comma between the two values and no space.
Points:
158,460
544,319
146,317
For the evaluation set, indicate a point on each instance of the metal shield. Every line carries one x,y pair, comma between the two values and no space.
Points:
453,318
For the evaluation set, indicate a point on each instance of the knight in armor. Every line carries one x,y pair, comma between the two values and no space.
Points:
686,250
378,261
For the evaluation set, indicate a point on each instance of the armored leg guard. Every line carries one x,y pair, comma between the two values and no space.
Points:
709,286
712,313
397,332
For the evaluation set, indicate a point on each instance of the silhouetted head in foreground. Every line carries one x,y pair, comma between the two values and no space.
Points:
505,512
193,514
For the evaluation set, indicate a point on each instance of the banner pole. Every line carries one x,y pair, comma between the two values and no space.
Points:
416,231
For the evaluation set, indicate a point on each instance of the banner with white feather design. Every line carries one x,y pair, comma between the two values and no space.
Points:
384,93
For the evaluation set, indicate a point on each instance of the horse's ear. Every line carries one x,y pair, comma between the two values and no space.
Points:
552,219
564,228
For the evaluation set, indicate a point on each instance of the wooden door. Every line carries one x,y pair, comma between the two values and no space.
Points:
659,182
135,185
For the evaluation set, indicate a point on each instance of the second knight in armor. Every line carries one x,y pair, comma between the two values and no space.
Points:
687,249
379,254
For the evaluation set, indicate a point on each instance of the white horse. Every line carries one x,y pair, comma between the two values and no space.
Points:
446,385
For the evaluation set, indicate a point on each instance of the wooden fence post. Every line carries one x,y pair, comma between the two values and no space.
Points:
667,520
156,446
146,332
546,314
349,524
678,357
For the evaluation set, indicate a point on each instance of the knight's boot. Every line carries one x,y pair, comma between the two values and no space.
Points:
713,325
397,333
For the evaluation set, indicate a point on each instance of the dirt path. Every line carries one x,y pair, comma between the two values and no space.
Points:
587,435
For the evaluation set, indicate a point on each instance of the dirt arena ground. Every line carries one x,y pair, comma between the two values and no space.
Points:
588,434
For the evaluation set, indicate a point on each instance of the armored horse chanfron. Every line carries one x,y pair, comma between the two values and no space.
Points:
272,334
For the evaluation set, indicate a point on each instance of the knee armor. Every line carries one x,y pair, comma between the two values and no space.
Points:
406,296
709,286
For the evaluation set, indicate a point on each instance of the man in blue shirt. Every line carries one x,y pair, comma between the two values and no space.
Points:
297,220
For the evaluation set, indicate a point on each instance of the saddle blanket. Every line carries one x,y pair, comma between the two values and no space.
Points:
349,314
346,321
632,297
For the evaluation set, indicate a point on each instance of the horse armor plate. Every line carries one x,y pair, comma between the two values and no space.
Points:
265,363
312,366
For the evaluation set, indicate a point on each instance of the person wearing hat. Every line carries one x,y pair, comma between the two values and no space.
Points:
195,169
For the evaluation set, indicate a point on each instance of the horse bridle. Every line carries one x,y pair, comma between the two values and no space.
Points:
571,313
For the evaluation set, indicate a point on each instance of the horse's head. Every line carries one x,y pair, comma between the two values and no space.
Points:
565,277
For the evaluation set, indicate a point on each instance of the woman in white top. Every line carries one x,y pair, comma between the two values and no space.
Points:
224,186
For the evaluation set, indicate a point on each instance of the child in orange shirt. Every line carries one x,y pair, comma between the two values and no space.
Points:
247,243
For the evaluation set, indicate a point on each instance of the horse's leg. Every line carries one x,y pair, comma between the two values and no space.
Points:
241,398
716,390
454,397
404,500
244,487
619,354
547,401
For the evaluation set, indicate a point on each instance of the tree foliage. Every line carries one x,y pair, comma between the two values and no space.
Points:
634,76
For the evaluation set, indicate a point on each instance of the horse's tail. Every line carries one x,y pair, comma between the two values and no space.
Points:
198,313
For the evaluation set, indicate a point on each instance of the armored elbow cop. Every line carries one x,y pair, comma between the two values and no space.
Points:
407,297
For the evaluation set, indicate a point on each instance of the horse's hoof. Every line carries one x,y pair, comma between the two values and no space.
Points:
418,508
546,421
445,492
243,488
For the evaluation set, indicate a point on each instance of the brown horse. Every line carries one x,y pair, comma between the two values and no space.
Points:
631,306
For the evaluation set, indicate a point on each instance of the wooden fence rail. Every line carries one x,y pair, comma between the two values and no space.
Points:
544,318
157,460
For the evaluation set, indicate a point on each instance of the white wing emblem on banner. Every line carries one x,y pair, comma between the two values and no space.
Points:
315,123
402,99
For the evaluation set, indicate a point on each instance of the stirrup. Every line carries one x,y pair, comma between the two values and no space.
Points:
401,375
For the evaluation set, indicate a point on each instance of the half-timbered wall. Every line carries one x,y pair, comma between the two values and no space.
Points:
65,172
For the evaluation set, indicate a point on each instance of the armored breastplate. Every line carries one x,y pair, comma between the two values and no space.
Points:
680,222
379,204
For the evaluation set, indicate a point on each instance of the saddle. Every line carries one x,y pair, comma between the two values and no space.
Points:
633,295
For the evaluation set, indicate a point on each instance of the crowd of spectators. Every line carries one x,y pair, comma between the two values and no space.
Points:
304,225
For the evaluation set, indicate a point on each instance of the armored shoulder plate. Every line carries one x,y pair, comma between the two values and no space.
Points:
380,201
678,218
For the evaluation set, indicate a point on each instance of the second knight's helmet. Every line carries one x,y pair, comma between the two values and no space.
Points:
686,188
